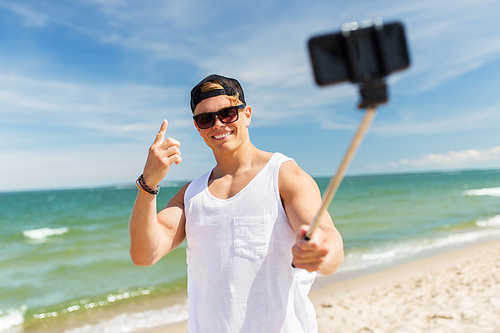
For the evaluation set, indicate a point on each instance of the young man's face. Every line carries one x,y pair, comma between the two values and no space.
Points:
223,136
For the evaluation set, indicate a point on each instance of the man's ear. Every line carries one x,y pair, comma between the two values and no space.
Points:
248,114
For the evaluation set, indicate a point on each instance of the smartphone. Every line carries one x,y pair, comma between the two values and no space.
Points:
359,54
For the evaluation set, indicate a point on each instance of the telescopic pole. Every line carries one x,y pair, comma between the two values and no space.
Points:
339,175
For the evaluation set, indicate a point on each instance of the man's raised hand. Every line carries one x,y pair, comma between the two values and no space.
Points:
162,154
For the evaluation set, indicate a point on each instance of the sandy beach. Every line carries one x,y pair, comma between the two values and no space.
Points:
458,291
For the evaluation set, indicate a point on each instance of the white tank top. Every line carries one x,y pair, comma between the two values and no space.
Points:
240,277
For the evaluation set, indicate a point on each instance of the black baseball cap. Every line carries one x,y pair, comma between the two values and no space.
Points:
231,87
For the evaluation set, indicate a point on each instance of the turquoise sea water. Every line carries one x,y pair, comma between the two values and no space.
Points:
65,267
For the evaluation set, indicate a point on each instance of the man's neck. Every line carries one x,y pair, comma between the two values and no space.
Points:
232,163
234,172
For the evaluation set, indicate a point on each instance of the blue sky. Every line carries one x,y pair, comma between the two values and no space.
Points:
85,84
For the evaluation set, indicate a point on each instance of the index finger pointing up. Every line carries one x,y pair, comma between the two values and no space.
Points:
160,137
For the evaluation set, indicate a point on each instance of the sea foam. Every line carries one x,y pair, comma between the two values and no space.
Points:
11,318
43,233
132,322
401,250
491,222
494,191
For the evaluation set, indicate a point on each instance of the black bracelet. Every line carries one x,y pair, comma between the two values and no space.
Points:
146,188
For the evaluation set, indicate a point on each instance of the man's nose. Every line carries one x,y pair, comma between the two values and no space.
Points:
217,121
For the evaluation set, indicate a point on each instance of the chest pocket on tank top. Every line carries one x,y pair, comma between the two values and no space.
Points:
252,236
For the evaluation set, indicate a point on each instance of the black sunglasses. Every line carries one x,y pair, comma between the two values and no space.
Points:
226,115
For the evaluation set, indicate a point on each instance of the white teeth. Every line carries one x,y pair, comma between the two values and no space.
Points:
222,135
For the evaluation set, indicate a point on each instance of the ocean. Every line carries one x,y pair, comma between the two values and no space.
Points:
65,266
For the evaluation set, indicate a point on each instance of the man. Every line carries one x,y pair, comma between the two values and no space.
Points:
249,267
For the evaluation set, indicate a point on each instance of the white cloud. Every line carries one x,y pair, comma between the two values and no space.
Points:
440,122
23,97
31,17
451,159
449,39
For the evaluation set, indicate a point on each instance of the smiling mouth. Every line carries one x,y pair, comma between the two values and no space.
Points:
222,136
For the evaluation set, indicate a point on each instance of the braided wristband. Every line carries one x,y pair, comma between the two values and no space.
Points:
143,186
140,187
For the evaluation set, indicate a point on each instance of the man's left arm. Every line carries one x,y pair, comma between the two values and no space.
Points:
301,198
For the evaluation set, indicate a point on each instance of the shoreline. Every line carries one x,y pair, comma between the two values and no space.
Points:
454,291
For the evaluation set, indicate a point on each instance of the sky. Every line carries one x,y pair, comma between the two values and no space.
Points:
85,85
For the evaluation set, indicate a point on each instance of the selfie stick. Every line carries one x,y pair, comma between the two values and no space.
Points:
373,94
355,51
339,175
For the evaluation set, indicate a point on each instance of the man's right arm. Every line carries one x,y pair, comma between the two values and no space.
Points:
154,235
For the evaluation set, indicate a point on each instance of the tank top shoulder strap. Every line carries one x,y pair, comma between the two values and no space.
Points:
268,177
275,163
279,158
196,186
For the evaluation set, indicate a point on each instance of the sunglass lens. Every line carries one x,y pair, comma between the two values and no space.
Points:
228,115
205,120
